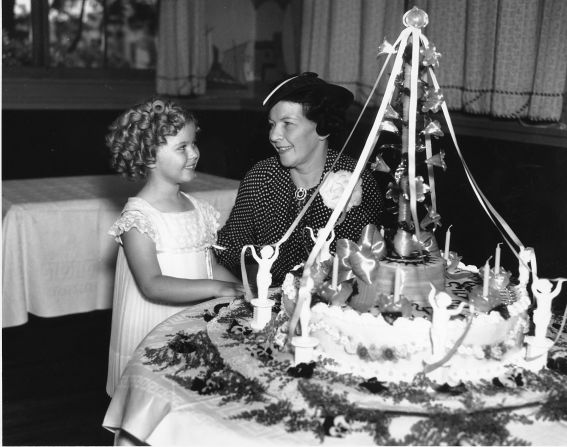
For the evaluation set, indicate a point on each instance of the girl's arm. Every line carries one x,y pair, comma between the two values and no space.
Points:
240,227
220,272
141,255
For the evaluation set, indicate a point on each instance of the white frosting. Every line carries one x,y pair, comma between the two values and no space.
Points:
398,351
365,344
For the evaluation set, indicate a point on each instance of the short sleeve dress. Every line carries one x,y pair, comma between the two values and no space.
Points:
183,244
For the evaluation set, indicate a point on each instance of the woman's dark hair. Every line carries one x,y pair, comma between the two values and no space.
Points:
322,109
136,134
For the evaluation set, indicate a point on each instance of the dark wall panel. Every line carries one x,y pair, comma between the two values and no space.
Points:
526,183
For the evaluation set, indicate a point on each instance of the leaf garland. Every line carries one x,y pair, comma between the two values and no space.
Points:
463,428
218,378
195,353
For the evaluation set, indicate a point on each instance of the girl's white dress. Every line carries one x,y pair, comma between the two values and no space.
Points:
183,243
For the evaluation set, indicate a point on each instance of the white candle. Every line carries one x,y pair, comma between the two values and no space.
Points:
497,259
486,278
447,243
397,283
335,276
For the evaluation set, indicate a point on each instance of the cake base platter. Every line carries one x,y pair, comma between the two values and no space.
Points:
253,355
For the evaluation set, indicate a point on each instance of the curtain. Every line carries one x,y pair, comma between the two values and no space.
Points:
340,39
182,63
503,58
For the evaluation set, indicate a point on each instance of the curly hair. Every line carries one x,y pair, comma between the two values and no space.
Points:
136,134
324,110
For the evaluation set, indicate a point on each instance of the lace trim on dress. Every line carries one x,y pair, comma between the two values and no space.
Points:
211,220
129,220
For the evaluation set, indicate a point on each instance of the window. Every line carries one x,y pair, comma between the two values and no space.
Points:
107,34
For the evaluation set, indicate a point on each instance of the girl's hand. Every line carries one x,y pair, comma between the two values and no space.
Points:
225,288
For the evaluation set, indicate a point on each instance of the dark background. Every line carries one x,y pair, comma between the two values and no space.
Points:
526,183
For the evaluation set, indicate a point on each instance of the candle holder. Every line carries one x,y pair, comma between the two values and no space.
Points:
500,280
483,303
536,352
497,281
453,262
262,313
303,348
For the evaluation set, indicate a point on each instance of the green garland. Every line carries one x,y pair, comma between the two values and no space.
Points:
197,365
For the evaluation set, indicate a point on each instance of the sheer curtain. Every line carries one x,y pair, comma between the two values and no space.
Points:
182,63
340,39
504,58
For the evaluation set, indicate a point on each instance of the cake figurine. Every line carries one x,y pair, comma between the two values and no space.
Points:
544,295
303,344
263,305
325,253
440,302
538,345
267,257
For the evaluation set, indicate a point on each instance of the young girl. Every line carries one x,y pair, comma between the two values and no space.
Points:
165,236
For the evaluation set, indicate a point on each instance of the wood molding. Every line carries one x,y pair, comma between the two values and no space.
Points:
103,93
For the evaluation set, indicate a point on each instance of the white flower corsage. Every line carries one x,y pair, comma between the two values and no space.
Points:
333,188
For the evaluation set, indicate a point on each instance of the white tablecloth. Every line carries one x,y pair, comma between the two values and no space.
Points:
150,406
57,256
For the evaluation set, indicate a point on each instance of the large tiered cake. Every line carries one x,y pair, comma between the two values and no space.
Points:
392,306
391,339
390,323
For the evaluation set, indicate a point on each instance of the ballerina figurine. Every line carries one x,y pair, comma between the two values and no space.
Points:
542,290
265,261
440,303
325,252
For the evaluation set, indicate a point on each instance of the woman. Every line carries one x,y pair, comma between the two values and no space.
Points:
304,113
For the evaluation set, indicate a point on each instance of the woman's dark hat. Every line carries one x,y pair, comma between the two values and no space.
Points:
307,82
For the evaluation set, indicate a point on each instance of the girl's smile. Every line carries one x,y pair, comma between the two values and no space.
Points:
177,159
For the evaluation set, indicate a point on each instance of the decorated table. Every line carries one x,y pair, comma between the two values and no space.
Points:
181,388
57,256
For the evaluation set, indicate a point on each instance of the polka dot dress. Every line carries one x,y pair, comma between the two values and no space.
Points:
266,207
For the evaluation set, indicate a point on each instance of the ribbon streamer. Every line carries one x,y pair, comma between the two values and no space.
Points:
245,283
428,367
362,161
431,173
506,231
295,223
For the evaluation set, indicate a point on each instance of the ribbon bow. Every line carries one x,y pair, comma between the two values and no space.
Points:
362,259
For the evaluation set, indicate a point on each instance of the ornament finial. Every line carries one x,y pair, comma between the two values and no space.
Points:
416,18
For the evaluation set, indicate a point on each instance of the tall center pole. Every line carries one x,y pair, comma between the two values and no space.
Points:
402,239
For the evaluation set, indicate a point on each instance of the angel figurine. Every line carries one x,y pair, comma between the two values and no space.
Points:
440,303
542,291
265,261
